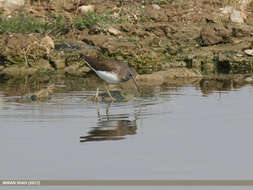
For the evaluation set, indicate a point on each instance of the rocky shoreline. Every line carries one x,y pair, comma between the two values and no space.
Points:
161,39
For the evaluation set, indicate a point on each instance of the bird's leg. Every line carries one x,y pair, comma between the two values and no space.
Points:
107,110
97,93
108,91
97,108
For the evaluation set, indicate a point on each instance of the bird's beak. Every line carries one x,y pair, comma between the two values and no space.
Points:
136,85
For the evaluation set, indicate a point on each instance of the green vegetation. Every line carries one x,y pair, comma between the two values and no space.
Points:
93,18
25,24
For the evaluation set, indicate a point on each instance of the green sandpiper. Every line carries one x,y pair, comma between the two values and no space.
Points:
110,71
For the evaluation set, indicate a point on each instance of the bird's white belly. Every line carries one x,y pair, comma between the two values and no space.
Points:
109,77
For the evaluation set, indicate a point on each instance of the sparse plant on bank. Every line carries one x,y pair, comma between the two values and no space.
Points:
23,23
94,18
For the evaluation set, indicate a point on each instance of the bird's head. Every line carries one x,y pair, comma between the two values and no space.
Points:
131,74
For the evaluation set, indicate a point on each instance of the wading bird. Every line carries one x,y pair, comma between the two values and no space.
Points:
110,71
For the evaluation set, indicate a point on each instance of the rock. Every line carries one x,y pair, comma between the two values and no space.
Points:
43,64
215,33
47,43
239,55
113,31
17,71
237,17
173,64
157,15
196,63
95,30
45,93
59,62
242,31
161,77
209,36
73,46
243,4
84,9
10,5
226,10
94,40
208,67
248,79
108,44
249,52
156,78
155,6
1,67
76,70
98,30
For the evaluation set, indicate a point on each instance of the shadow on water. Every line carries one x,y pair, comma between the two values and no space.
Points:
209,86
200,134
117,126
111,127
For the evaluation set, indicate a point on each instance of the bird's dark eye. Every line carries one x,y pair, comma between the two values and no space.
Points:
129,75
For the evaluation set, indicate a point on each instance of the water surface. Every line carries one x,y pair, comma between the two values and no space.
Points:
169,132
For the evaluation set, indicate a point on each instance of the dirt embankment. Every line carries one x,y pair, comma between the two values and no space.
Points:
183,38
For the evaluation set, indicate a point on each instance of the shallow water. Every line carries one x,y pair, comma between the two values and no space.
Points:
185,132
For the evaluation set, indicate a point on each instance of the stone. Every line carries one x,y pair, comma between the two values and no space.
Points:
16,71
243,4
47,43
76,70
1,67
43,64
113,31
209,67
215,33
162,77
156,78
10,5
45,93
210,37
155,6
196,63
248,79
249,52
226,10
84,9
237,17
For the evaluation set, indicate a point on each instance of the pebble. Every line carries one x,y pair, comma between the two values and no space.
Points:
155,6
9,5
249,52
249,79
114,31
85,9
237,17
226,10
47,43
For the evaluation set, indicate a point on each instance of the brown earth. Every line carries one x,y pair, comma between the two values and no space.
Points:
180,39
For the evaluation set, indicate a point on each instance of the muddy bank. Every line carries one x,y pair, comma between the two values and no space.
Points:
183,38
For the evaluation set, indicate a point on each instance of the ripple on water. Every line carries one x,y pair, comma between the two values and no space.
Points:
187,132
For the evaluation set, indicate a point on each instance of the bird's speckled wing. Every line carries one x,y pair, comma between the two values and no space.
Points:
103,65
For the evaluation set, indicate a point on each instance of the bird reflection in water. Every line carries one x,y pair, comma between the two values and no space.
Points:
111,127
